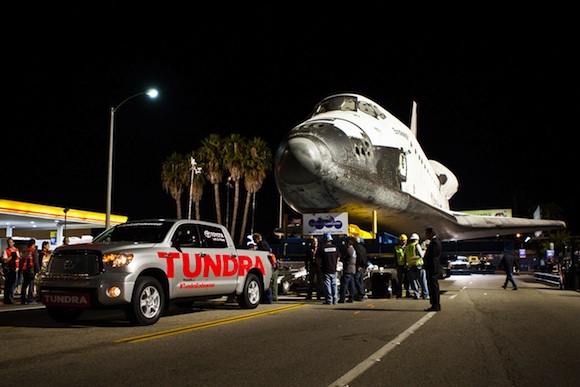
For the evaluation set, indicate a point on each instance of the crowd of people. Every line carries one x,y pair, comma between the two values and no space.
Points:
417,269
19,270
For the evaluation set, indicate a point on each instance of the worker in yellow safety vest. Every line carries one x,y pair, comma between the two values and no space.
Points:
414,262
402,271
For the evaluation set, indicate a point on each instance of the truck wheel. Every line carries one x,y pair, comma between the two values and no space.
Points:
250,297
147,302
64,315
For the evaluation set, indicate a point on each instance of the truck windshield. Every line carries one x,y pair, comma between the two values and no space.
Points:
138,232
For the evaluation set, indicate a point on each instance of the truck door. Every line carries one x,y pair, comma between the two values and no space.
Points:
221,264
189,280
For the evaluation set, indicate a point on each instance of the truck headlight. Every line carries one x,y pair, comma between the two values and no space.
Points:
117,260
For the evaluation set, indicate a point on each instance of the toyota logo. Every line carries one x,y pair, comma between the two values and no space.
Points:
69,265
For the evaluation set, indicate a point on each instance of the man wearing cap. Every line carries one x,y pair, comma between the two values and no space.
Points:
327,259
402,272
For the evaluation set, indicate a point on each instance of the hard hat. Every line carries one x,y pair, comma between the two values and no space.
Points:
327,236
250,241
403,237
414,236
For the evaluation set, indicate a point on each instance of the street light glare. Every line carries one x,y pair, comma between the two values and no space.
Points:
152,93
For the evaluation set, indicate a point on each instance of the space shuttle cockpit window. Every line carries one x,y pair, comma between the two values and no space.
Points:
370,109
338,103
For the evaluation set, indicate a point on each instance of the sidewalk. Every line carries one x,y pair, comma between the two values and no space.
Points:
17,305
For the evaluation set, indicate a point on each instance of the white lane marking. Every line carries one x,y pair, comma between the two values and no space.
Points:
453,296
383,351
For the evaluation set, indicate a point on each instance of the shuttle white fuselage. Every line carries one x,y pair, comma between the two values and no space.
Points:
352,155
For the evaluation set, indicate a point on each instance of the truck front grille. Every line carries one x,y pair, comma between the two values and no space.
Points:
75,263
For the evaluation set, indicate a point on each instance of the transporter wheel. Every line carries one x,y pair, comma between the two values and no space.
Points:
64,315
285,286
250,297
147,302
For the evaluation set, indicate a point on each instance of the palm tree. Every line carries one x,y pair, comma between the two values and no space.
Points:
257,164
197,186
234,149
175,178
210,156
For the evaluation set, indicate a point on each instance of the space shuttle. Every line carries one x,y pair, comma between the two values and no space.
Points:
351,155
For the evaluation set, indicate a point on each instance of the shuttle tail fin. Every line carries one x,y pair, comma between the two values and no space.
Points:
413,126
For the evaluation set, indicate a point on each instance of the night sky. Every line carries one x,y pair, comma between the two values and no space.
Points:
497,94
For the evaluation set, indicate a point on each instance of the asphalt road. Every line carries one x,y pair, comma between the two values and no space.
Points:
484,336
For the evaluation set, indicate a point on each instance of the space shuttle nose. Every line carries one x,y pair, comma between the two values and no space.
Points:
300,161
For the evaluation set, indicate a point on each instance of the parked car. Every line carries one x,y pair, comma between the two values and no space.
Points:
460,264
474,262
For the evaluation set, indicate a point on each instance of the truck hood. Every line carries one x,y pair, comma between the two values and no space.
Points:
107,247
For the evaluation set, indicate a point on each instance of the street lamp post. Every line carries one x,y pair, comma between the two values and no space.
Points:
195,170
151,93
65,210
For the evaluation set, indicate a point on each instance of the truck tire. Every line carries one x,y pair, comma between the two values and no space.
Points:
250,297
147,302
64,315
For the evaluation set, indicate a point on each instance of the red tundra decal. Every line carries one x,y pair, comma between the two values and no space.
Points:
221,266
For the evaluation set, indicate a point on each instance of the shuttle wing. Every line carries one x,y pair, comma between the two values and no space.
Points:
473,226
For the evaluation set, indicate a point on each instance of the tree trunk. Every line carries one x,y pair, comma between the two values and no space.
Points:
245,218
236,205
218,209
178,204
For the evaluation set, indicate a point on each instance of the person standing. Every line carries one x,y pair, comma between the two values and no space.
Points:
508,262
43,255
261,244
414,260
402,271
313,270
327,259
11,262
29,267
348,272
432,260
361,267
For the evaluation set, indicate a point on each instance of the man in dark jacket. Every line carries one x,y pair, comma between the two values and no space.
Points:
327,259
313,270
432,261
361,267
508,262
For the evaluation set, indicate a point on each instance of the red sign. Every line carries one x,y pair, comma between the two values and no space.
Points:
82,300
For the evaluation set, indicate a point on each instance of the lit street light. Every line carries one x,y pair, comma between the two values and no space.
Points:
151,93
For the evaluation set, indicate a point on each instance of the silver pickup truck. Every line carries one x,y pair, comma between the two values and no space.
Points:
142,266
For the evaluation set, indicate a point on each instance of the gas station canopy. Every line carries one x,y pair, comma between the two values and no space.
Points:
30,216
